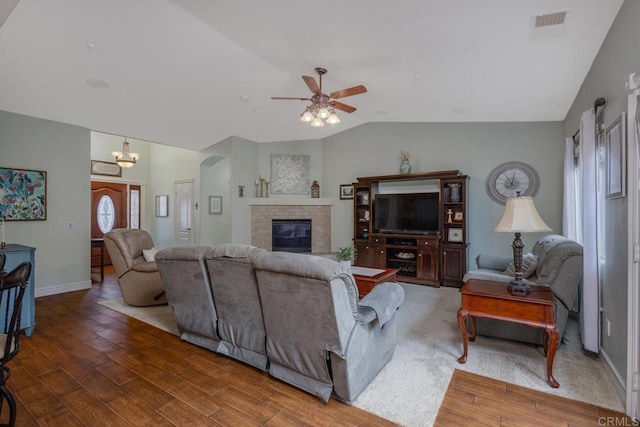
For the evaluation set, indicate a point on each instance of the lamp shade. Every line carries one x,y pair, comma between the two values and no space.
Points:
520,216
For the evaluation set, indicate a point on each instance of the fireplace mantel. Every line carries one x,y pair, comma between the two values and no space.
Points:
289,201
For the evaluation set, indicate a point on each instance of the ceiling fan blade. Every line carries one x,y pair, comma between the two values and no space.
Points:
356,90
284,97
344,107
311,82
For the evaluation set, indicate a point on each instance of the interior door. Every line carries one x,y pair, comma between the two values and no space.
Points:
183,233
108,211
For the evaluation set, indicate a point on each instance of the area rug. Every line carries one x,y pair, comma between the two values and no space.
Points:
410,389
159,316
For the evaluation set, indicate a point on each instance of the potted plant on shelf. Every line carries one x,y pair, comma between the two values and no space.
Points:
345,255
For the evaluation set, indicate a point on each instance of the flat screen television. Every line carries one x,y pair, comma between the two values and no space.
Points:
414,213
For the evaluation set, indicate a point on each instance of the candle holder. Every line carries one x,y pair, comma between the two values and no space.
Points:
3,245
262,187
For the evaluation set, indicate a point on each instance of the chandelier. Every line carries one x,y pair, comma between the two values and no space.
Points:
320,112
124,158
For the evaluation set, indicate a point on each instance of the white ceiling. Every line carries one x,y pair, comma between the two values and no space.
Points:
177,70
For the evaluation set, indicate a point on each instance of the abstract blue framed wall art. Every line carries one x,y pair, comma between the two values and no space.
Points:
23,194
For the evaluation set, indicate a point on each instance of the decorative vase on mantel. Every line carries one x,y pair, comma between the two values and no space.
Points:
315,190
405,167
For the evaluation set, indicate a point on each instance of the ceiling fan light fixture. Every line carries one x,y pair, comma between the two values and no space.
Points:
323,113
323,107
333,118
306,116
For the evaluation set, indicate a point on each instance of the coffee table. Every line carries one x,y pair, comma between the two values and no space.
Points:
484,298
366,282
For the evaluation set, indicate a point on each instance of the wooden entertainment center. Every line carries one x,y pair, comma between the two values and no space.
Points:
436,258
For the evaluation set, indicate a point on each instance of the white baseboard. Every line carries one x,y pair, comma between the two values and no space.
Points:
61,289
618,380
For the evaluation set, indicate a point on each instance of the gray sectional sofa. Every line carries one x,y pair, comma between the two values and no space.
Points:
296,316
558,264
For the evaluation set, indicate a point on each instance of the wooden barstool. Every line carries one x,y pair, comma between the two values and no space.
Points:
12,289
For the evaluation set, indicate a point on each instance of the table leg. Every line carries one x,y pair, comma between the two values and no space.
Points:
102,262
462,324
553,339
472,337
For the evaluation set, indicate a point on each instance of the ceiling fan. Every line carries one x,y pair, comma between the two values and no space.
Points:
323,106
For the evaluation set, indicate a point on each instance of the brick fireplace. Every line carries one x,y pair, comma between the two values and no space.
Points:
264,210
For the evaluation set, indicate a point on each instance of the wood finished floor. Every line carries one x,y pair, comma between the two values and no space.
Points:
474,400
89,365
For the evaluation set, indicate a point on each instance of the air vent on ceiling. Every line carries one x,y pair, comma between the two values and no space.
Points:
550,19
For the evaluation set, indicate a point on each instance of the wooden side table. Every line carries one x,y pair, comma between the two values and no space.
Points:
98,242
366,283
484,298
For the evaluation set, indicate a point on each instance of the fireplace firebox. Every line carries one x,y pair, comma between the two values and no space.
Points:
291,235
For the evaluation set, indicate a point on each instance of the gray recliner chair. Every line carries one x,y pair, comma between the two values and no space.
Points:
184,273
320,337
139,280
235,292
559,266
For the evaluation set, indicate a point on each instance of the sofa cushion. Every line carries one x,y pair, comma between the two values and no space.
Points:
529,265
493,262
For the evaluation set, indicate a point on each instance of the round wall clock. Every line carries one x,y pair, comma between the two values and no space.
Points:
510,179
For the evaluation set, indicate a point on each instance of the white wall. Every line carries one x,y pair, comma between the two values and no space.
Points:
62,256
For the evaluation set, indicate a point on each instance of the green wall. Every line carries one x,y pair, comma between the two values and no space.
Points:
619,56
473,148
63,152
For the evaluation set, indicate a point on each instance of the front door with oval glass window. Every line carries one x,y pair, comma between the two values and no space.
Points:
108,211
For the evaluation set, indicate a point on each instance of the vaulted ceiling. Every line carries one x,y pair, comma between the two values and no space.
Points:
190,73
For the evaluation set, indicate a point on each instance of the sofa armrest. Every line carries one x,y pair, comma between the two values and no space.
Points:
493,262
487,275
382,302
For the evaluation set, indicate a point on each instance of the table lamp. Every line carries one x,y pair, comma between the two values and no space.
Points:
520,216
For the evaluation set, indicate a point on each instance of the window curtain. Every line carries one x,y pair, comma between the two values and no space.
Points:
570,204
587,232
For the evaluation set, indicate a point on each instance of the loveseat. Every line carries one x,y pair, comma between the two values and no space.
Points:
138,278
554,261
296,316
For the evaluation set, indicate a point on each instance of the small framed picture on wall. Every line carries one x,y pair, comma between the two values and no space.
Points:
162,206
346,191
616,159
215,204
